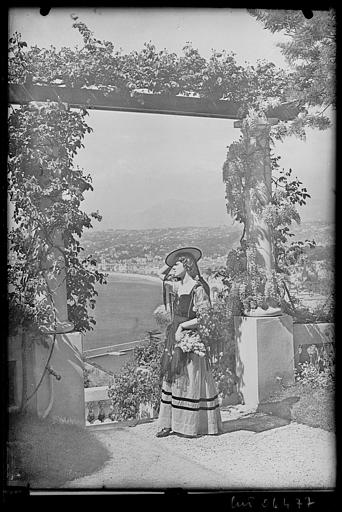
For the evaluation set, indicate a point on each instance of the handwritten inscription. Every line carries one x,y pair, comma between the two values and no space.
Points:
244,503
271,503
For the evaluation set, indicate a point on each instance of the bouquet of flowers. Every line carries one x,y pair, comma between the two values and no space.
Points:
191,342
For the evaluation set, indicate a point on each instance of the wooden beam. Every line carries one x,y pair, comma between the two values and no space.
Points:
143,103
270,120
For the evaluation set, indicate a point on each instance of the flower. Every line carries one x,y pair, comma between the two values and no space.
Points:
191,342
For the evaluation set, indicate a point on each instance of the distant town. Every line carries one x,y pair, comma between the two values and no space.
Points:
144,251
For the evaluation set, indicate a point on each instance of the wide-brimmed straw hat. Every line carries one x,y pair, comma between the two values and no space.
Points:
171,258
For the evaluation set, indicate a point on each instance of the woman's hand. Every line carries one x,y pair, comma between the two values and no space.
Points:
163,271
178,333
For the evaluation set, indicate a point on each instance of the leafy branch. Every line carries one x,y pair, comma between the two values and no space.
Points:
45,193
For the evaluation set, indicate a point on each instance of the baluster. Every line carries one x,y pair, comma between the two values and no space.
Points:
107,410
102,413
96,409
91,416
86,412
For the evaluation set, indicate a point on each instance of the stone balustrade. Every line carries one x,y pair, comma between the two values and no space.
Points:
99,409
305,336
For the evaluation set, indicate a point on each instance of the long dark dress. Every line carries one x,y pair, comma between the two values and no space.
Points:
189,401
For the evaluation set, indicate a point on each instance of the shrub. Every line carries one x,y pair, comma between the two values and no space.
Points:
86,379
138,382
216,327
162,316
224,376
319,372
309,374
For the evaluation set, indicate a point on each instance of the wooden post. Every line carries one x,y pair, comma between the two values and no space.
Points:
259,189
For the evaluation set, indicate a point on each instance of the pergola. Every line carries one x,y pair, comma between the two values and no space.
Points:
264,346
146,103
140,102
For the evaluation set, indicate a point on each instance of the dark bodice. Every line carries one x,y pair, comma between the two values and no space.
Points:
183,306
173,361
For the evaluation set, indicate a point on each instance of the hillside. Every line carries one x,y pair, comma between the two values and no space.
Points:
130,244
320,231
122,244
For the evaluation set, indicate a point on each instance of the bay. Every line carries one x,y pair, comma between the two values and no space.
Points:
124,310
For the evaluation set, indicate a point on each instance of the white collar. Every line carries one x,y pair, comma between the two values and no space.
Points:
185,290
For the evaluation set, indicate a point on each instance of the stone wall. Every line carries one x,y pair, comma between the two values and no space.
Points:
56,392
268,351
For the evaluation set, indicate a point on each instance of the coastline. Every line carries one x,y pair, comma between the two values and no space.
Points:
147,277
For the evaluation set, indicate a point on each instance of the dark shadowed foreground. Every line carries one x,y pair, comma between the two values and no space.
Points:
48,454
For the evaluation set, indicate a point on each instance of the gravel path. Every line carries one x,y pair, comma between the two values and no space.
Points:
256,451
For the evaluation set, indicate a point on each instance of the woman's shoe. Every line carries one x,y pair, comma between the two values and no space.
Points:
163,432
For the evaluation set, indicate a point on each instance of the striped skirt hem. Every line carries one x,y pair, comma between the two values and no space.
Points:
188,415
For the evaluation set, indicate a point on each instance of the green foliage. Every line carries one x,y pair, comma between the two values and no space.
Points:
98,64
216,330
45,191
310,50
224,375
242,275
86,377
310,374
236,176
319,369
279,213
287,194
162,316
138,382
247,285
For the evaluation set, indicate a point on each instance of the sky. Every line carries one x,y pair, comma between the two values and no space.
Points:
166,171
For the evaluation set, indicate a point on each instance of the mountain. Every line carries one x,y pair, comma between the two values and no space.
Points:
173,213
215,241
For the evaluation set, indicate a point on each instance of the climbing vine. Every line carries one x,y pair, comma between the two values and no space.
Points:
99,64
46,189
38,171
276,204
45,192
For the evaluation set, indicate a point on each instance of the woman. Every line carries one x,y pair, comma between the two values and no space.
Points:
189,403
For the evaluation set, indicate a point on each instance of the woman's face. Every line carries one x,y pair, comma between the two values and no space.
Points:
178,269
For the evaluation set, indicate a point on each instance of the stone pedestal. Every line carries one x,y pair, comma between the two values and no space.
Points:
264,356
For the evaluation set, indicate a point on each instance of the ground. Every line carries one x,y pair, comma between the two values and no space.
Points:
288,442
256,451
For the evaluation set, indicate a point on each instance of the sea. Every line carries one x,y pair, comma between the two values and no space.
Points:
124,310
